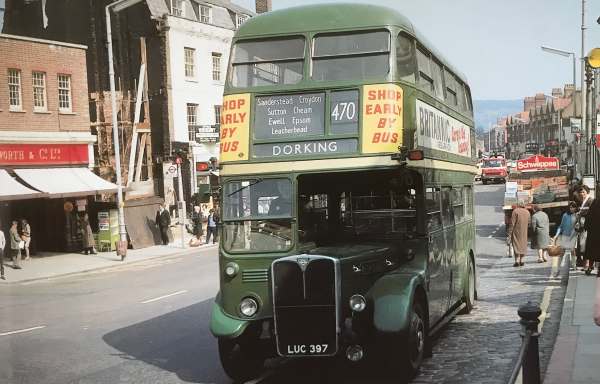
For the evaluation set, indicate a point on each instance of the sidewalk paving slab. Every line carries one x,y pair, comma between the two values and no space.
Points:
576,355
52,265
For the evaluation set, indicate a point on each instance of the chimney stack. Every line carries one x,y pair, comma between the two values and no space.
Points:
262,6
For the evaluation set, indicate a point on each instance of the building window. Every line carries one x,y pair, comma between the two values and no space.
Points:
177,7
192,120
189,54
217,114
39,91
216,66
205,14
14,89
64,93
240,20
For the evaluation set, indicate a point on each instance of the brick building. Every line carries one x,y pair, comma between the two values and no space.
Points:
46,148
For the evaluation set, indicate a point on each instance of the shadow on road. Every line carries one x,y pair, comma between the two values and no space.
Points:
178,342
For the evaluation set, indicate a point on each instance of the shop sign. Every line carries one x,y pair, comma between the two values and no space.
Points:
538,163
306,148
207,134
285,117
437,130
575,125
382,126
235,127
43,154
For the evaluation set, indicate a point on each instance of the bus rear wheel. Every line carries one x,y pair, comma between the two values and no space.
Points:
241,359
469,289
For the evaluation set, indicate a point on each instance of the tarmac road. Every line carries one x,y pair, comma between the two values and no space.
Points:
148,323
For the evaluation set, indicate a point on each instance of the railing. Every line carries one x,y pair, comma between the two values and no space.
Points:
529,358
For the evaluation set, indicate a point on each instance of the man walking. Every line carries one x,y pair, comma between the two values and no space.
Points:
517,232
163,220
2,246
211,227
15,245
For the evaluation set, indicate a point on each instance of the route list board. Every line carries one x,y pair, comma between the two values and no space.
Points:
285,117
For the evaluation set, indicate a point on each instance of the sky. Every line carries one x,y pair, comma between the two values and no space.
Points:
496,43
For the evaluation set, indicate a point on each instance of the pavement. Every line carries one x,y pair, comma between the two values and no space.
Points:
576,355
48,265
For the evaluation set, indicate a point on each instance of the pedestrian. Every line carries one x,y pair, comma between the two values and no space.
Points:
16,244
517,232
2,247
592,245
211,227
566,231
597,303
26,236
89,243
163,221
540,224
583,194
197,218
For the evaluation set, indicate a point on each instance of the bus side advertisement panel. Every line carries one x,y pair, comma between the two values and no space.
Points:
437,130
235,128
382,124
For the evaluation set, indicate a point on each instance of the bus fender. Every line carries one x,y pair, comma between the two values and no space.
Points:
392,297
222,325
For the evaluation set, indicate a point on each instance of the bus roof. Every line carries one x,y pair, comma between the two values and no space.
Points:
338,16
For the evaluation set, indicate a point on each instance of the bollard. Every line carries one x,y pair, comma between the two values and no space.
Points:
529,314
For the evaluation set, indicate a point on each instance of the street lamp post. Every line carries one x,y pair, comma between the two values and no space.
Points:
564,54
117,6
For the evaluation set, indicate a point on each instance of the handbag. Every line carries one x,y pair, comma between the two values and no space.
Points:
555,250
21,244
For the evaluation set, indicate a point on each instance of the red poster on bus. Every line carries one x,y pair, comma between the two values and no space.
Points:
538,163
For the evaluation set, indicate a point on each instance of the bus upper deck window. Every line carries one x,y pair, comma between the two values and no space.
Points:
267,62
351,56
405,58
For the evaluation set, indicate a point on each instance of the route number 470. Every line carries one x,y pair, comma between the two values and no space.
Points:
344,111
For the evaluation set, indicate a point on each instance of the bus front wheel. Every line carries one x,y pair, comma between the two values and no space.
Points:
414,352
469,293
240,359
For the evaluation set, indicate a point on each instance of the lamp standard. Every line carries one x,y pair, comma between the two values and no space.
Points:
117,6
564,54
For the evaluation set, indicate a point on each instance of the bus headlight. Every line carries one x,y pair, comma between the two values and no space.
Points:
358,303
231,269
248,306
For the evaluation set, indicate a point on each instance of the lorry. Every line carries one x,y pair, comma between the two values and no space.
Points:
494,170
538,180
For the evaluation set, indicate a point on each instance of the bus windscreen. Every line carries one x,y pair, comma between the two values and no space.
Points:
267,62
351,56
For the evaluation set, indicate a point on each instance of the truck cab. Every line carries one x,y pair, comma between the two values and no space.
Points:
494,170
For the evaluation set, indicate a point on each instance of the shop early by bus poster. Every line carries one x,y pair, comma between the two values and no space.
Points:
437,130
235,127
382,118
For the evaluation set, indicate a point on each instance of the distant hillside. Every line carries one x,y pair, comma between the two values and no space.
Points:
488,111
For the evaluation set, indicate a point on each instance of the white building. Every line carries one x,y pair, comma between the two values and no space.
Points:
199,35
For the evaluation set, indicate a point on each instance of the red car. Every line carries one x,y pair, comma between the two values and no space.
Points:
494,170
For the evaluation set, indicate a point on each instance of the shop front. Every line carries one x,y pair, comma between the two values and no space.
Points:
52,187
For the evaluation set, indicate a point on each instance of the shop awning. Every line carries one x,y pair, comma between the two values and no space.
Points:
11,189
66,182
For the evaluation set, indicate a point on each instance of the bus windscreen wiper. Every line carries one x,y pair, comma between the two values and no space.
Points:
256,181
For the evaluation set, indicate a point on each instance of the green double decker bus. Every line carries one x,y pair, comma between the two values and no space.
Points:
347,166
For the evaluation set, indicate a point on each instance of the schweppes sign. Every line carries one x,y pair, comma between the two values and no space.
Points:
382,125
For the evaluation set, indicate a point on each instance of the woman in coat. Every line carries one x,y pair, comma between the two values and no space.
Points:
517,232
540,224
592,244
89,243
